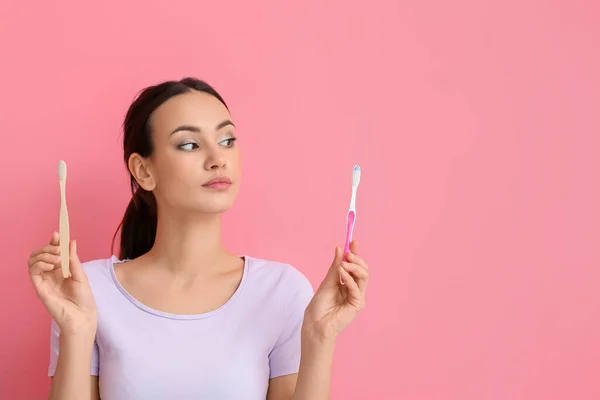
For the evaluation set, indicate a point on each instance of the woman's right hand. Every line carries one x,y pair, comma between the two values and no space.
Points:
69,301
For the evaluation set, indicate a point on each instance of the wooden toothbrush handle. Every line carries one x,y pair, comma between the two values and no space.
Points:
64,233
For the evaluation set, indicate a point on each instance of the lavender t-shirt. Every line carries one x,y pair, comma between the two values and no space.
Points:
227,353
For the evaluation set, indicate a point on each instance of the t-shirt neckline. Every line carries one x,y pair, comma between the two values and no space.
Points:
114,260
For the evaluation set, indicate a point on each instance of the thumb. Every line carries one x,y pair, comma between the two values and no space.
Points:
55,239
333,275
75,265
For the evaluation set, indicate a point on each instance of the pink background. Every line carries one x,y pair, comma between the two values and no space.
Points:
477,125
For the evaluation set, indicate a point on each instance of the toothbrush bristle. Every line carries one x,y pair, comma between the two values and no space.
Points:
62,170
356,175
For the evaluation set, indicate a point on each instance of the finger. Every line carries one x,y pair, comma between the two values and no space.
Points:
354,247
53,244
37,271
332,275
337,261
75,265
354,295
44,257
360,275
40,267
46,249
55,239
353,258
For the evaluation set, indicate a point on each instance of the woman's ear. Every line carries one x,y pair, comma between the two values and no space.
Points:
141,169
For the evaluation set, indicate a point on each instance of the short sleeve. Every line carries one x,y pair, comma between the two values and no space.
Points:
54,347
284,359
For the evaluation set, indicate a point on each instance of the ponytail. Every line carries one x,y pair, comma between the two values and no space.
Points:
138,227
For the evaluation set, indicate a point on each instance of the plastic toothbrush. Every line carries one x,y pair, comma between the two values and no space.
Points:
351,217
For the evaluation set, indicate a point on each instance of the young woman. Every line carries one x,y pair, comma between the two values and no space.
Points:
177,316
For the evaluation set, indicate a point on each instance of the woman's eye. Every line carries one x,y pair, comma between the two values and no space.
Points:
229,142
189,146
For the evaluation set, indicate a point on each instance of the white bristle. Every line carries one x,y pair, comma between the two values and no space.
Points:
62,170
356,175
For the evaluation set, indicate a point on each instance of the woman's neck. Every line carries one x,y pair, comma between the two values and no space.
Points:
188,245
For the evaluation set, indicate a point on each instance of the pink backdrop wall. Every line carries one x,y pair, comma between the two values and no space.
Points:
477,125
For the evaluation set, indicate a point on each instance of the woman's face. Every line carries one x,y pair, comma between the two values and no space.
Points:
194,145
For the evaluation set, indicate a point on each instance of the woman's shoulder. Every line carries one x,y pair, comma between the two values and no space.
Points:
277,275
281,285
99,271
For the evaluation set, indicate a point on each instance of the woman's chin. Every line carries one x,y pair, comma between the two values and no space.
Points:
213,206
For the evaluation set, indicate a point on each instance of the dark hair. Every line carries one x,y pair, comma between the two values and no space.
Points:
138,226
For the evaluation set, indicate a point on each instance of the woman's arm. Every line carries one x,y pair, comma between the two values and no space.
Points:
313,380
71,305
314,374
72,377
332,308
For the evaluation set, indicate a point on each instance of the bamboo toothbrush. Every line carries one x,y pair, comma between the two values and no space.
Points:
63,228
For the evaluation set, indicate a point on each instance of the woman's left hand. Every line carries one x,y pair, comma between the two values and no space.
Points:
335,305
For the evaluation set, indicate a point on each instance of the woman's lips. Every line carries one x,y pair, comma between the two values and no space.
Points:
220,183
